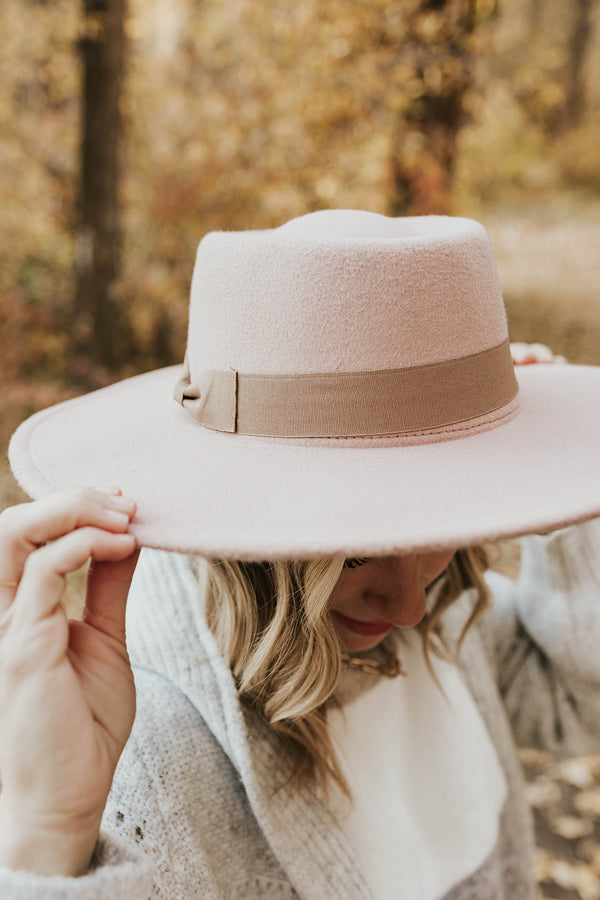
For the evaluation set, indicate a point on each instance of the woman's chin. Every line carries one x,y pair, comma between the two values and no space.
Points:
358,643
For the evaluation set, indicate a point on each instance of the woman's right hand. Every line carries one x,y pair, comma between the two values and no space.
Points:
67,697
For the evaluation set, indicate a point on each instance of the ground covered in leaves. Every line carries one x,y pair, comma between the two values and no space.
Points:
565,798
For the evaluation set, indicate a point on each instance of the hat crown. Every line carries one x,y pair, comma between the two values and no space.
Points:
332,225
344,290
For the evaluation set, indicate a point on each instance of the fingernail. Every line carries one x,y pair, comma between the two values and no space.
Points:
123,503
124,537
117,518
110,489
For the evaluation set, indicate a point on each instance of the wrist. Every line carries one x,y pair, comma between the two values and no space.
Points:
47,845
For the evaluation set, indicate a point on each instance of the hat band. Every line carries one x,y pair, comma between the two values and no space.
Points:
352,404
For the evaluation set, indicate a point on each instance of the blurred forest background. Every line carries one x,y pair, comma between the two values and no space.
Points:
131,129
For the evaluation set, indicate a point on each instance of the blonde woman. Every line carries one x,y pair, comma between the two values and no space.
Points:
329,684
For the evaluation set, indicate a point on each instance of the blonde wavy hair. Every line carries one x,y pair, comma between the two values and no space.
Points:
271,623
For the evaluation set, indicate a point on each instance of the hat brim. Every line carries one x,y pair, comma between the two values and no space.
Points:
233,496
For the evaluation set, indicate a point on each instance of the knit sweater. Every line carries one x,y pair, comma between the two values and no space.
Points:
192,812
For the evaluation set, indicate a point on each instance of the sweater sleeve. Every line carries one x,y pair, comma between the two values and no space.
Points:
117,870
542,637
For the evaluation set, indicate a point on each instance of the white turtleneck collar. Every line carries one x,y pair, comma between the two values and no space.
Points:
427,786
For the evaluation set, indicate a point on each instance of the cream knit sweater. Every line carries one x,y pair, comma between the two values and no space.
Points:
192,813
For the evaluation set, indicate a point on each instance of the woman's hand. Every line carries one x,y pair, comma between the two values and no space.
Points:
67,697
525,354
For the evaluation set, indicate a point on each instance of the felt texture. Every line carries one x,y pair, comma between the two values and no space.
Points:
343,290
255,498
333,291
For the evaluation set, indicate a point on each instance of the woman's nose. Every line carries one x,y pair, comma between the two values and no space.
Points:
396,592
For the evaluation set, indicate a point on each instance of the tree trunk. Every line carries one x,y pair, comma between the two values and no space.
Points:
97,321
578,45
426,133
535,16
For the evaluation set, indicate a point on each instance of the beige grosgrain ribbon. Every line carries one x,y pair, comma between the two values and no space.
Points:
352,404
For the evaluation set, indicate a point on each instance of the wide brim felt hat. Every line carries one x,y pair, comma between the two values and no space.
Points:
347,390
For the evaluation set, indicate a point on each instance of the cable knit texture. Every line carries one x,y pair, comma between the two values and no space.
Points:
192,813
116,870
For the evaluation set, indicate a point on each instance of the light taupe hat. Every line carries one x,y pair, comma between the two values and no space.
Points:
348,389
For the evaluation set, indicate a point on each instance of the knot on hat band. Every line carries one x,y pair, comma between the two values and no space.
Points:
351,404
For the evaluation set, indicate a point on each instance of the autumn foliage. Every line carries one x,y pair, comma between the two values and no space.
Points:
246,113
